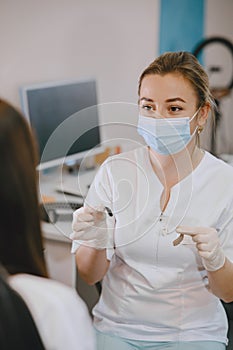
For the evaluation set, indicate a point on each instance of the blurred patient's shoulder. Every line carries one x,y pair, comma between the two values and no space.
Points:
60,314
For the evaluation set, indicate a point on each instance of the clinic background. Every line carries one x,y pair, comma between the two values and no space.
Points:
111,41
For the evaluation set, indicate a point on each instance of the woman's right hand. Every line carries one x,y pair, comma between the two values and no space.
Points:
90,228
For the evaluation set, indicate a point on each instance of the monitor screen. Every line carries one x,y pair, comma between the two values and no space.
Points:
64,116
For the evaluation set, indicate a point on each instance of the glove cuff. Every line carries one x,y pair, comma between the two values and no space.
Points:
95,243
215,261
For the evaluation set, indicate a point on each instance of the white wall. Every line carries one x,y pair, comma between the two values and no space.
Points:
50,40
59,39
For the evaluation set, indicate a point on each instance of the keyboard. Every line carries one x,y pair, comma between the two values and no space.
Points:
58,211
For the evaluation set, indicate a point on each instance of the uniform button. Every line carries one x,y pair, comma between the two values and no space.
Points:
164,231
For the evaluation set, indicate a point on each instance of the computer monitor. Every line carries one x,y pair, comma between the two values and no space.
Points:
64,116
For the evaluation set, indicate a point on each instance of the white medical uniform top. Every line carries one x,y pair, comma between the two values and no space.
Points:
154,290
61,316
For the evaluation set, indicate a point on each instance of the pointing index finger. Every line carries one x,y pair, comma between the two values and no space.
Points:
192,231
187,230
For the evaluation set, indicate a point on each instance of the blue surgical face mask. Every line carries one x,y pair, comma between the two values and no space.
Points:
166,135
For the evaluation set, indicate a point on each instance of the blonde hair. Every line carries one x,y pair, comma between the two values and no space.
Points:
189,67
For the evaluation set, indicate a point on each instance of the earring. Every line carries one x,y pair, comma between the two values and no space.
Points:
199,130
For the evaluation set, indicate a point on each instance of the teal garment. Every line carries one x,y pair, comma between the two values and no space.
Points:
109,342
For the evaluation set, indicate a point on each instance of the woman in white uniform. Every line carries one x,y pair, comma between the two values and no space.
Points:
165,257
61,317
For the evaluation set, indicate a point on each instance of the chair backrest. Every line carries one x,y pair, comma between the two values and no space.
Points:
229,311
17,327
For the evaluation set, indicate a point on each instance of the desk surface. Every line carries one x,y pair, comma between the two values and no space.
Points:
55,180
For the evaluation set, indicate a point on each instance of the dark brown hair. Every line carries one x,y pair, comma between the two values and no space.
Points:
21,248
188,66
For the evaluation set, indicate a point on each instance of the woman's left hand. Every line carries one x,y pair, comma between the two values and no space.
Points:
208,245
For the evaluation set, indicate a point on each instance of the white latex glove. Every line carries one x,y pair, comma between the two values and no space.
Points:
90,228
208,246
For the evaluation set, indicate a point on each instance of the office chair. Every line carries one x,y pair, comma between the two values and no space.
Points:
229,311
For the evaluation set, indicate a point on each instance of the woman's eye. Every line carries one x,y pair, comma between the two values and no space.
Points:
147,107
175,109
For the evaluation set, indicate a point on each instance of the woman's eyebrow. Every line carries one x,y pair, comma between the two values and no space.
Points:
146,99
174,99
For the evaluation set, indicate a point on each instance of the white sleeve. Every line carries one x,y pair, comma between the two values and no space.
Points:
100,194
225,228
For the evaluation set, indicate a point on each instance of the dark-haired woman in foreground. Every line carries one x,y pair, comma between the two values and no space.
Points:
61,317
